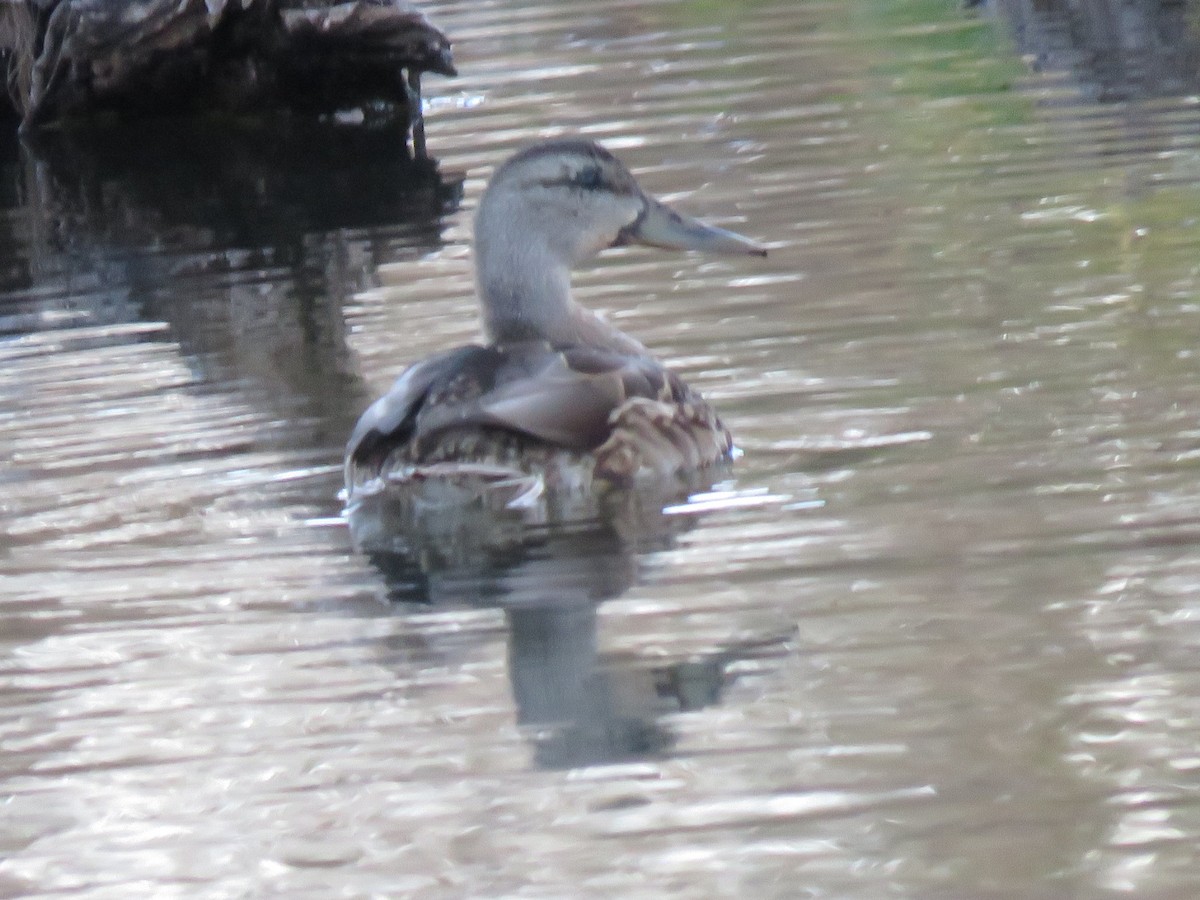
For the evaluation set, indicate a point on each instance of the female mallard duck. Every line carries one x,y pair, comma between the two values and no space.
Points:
557,393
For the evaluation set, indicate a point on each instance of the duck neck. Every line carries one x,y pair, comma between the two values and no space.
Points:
525,294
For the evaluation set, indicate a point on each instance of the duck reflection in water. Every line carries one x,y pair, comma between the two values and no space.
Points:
577,704
530,474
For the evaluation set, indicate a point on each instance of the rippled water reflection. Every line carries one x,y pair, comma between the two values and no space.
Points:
935,638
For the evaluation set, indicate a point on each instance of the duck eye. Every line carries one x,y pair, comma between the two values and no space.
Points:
589,179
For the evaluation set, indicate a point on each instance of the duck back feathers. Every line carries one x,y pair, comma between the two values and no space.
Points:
622,417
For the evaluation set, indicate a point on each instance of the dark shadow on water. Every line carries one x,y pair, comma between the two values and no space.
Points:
246,240
258,184
578,704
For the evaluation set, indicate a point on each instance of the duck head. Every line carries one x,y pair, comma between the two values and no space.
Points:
554,205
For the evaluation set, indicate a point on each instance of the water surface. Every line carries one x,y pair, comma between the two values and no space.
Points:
934,638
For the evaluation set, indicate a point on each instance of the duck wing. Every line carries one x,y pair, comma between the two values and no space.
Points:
552,402
564,397
390,421
479,405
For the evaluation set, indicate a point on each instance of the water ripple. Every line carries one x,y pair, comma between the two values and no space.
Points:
935,638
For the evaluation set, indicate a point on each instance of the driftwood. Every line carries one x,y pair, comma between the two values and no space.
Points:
68,59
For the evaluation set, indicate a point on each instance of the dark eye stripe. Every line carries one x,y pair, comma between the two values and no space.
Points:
589,179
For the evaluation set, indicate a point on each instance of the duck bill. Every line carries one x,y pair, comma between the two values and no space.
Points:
661,226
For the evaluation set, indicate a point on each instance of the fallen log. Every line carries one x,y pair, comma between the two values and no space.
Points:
74,59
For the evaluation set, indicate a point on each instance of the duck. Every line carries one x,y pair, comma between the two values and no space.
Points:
556,394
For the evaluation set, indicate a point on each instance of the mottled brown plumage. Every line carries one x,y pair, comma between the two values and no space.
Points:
558,394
